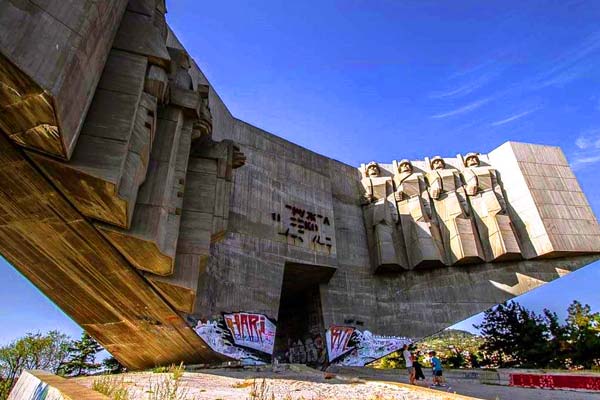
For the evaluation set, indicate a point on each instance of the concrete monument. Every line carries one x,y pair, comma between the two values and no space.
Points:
421,232
459,235
171,231
489,210
381,218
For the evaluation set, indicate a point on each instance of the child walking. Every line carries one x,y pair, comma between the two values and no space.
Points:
436,365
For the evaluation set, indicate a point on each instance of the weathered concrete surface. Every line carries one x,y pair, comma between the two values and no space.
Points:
246,270
61,253
147,230
51,57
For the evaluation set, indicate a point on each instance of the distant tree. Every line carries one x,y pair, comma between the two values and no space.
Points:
391,361
454,347
82,357
32,351
515,336
456,360
583,335
474,360
557,345
112,365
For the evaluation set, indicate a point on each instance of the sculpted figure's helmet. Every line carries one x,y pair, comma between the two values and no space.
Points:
404,162
435,159
371,165
471,157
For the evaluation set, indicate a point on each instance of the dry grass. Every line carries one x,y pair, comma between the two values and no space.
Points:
261,391
111,387
169,386
243,384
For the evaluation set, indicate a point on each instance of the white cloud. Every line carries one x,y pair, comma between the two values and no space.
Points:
588,145
570,65
464,109
513,117
586,160
582,142
466,88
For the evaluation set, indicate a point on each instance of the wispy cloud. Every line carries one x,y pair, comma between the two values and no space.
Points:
474,68
464,109
580,161
570,65
588,140
514,117
588,149
465,88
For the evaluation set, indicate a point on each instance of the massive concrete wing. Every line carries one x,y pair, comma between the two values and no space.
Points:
172,231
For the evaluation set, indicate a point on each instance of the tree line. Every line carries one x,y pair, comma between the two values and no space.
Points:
511,336
517,337
54,352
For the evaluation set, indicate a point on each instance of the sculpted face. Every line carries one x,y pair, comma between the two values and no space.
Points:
438,164
373,170
405,167
472,161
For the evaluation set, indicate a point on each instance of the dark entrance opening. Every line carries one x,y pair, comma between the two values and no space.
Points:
300,337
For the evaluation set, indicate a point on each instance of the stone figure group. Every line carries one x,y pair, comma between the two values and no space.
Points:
437,216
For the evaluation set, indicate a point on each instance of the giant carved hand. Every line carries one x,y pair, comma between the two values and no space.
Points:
239,158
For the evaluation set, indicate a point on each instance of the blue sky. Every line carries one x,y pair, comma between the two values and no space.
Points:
362,80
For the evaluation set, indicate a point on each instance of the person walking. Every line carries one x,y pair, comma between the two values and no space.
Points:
418,368
408,359
436,365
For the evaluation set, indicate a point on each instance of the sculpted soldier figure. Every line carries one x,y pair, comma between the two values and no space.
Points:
489,209
380,215
461,244
421,233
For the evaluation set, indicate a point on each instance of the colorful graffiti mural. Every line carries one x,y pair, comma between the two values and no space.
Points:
338,341
350,347
247,337
311,351
250,338
251,330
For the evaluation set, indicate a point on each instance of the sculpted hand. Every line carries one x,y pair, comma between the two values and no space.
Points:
239,158
367,199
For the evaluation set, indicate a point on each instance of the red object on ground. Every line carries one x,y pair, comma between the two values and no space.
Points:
546,381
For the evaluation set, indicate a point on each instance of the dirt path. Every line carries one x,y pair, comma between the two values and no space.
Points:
289,385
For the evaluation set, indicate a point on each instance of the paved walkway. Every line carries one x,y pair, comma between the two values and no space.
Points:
496,392
472,387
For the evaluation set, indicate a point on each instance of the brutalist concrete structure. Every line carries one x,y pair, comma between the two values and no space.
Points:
172,231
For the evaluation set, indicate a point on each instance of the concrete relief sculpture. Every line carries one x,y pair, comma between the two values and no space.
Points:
458,232
489,210
421,233
380,215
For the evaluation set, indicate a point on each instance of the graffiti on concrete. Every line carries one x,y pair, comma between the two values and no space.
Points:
251,330
371,347
305,228
311,351
338,341
247,337
350,347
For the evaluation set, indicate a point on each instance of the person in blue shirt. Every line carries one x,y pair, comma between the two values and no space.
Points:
436,365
